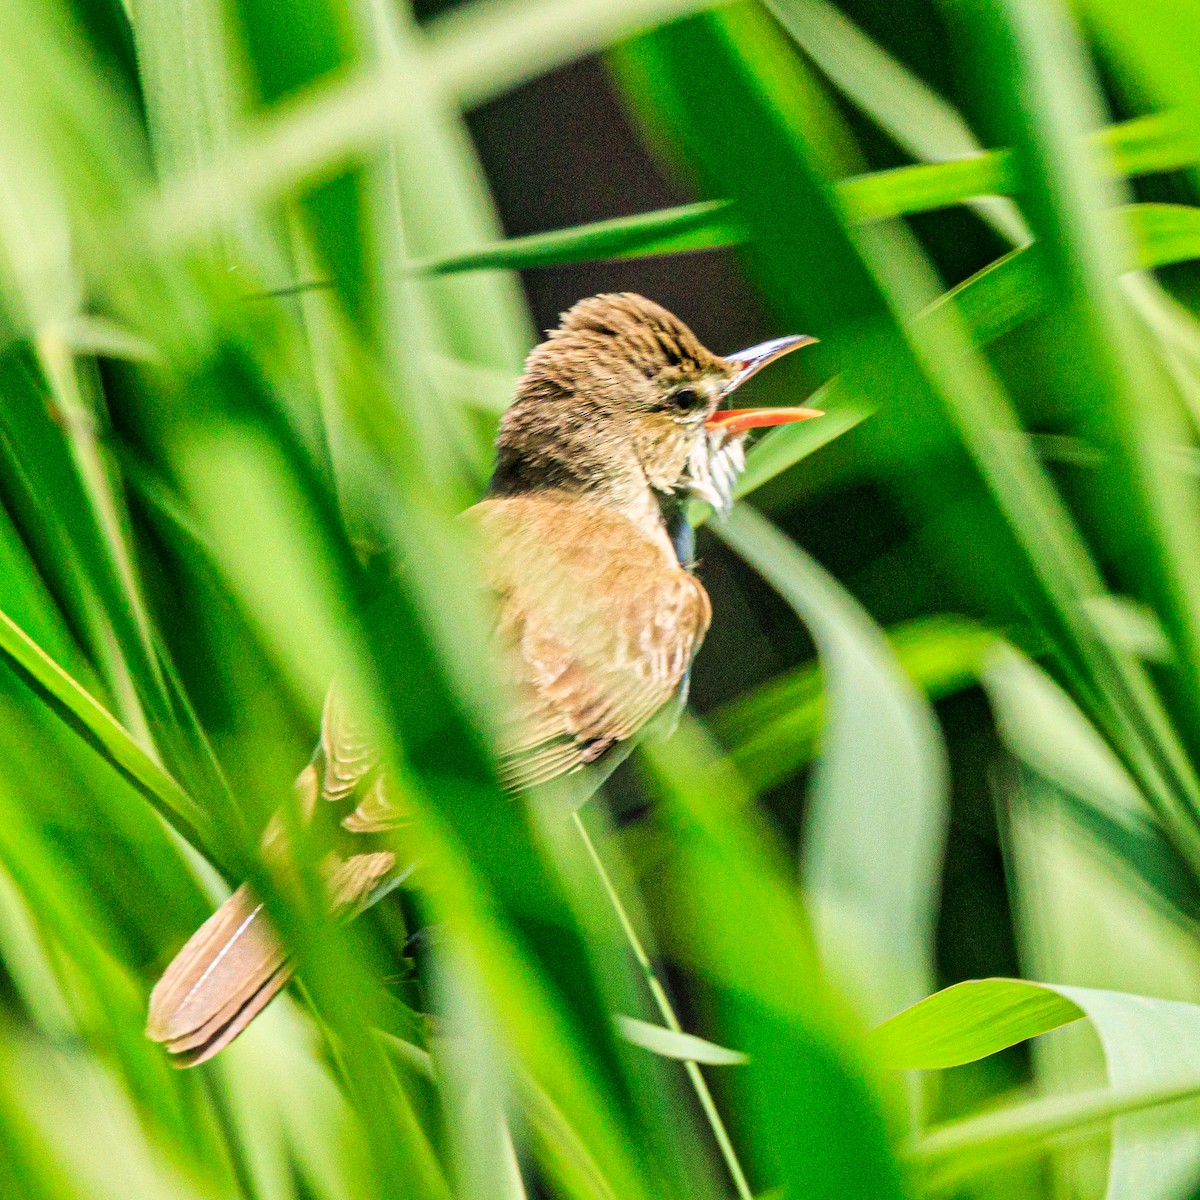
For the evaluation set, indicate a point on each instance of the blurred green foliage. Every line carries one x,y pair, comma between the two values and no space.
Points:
257,321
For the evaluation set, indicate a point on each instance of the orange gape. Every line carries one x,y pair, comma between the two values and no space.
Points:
616,424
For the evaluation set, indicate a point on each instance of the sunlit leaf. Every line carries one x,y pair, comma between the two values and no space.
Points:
1146,1045
670,1043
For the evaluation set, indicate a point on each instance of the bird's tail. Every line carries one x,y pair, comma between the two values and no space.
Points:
233,964
217,984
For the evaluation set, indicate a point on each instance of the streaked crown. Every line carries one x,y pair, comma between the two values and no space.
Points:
623,395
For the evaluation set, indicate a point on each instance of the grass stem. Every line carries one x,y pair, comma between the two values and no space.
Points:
667,1011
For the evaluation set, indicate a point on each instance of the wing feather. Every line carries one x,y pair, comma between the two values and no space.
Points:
346,749
597,627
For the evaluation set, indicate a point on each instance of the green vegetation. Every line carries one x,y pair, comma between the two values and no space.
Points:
257,322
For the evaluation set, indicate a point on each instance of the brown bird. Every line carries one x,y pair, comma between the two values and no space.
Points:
616,424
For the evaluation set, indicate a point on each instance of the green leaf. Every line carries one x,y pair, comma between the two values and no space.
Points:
1149,1046
877,821
957,1151
1150,52
442,200
773,731
967,1022
118,745
668,231
484,49
1042,725
910,112
850,287
670,1043
1114,393
1143,146
733,918
1164,233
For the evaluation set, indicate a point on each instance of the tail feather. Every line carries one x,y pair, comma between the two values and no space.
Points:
230,1012
231,966
223,1034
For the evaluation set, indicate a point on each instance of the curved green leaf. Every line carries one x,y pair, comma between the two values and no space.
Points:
671,1043
772,732
877,818
117,743
967,1022
1149,1045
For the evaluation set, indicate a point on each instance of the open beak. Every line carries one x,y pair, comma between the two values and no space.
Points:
750,362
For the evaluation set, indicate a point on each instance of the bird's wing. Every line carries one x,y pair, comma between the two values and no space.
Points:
347,770
598,625
347,755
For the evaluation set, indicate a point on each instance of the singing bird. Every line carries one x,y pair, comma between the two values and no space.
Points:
617,422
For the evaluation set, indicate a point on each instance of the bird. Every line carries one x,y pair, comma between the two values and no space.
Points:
618,421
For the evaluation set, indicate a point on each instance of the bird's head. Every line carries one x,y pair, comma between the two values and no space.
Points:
622,394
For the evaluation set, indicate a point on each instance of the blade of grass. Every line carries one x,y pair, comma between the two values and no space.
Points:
860,283
969,1021
773,730
734,920
688,227
113,999
953,1153
667,1010
1161,233
307,138
117,744
194,94
928,127
913,114
1119,400
674,1043
877,819
25,597
484,49
443,197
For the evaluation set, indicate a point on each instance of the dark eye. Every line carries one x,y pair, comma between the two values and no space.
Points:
688,400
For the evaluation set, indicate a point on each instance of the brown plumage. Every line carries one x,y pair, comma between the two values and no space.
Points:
614,426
